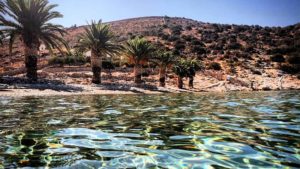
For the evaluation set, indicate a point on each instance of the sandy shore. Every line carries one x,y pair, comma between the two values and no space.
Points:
74,89
77,81
24,90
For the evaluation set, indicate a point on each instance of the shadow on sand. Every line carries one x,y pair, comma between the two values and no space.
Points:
41,84
141,88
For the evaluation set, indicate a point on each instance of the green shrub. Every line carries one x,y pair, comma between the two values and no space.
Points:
277,58
197,42
173,38
116,64
214,66
179,45
188,28
244,55
69,60
216,46
176,52
256,72
56,60
107,65
282,50
290,69
165,36
199,31
176,30
294,59
249,49
75,60
145,74
199,50
234,46
187,38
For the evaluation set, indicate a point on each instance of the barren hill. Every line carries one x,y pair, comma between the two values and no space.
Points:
234,47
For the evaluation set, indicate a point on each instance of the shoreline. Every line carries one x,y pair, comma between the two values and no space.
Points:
99,90
70,81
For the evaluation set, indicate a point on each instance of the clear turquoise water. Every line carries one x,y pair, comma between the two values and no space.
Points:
236,130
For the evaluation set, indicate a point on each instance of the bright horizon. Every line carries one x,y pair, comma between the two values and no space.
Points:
254,12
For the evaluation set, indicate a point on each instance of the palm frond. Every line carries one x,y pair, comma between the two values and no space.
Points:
164,58
138,49
187,67
99,38
29,19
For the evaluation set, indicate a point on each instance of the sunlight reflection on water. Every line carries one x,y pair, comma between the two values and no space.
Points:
234,130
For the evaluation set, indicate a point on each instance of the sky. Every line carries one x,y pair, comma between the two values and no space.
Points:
248,12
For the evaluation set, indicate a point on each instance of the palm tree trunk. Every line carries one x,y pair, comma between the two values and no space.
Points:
96,63
179,82
31,54
137,74
162,76
191,82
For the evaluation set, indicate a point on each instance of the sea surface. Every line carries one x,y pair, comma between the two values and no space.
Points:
210,130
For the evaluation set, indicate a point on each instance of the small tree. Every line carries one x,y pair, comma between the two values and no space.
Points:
180,70
192,67
164,60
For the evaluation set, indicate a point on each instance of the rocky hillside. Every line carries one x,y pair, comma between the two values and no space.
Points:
229,48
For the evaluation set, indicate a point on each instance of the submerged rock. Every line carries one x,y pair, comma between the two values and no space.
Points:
112,112
3,86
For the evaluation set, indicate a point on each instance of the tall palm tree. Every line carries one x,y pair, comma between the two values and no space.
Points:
28,21
1,16
1,6
138,50
100,40
164,60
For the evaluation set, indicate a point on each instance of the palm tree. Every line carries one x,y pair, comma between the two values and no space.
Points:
164,60
99,39
186,68
192,67
138,50
180,69
1,16
28,20
1,6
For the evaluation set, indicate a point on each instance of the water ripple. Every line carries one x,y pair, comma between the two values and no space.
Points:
235,130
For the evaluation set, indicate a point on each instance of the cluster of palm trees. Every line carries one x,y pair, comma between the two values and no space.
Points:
186,68
99,39
28,21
